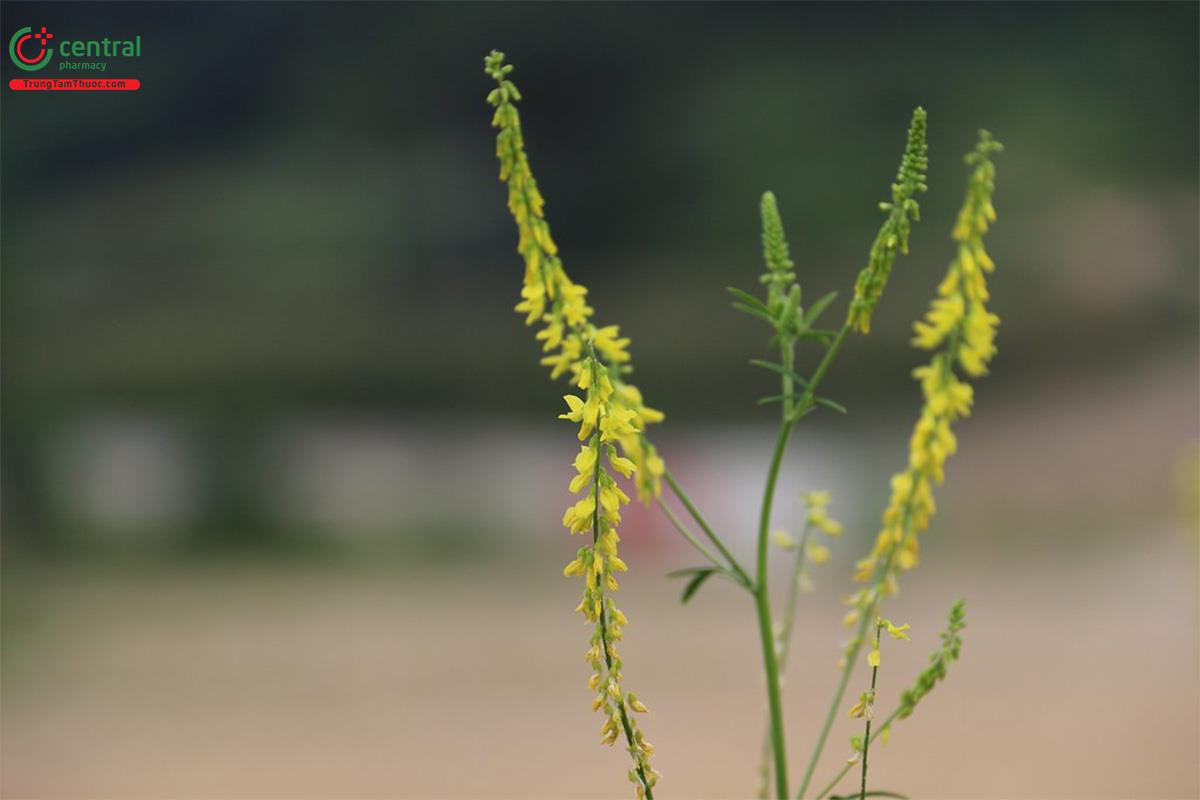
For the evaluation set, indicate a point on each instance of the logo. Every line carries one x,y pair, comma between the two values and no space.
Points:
31,55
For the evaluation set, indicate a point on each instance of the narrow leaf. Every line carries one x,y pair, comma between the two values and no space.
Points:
754,312
747,298
836,406
775,398
816,308
694,585
681,573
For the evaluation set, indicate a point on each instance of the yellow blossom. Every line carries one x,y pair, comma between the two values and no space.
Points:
783,540
959,323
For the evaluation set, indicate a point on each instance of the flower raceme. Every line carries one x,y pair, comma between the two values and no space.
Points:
602,421
551,298
962,330
610,414
893,235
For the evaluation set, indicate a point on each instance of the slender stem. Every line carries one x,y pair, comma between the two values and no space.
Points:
624,715
691,537
787,352
826,362
785,641
852,656
834,705
704,526
763,606
789,611
862,792
842,772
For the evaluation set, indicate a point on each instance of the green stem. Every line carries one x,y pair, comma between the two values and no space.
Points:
862,792
831,714
762,601
787,352
823,367
691,537
763,605
852,655
785,641
842,772
704,526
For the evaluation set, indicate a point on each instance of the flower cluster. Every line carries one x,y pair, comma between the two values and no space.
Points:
893,235
602,421
780,277
550,297
958,323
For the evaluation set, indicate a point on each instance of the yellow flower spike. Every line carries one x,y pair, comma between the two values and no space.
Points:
961,330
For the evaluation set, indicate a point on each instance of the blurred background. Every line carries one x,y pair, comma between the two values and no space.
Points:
282,479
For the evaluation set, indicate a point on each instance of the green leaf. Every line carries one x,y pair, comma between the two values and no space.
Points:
754,312
695,583
781,369
775,398
747,298
872,793
816,308
680,573
836,406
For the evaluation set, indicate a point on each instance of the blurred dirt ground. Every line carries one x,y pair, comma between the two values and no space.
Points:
1078,679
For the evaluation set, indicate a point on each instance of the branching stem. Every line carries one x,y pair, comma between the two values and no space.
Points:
712,535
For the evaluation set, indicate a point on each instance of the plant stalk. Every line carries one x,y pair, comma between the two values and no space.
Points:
842,772
712,535
785,641
862,792
689,536
762,604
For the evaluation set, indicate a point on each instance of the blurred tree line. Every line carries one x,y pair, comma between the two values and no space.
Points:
299,211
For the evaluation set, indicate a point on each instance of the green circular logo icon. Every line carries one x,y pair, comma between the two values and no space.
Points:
31,51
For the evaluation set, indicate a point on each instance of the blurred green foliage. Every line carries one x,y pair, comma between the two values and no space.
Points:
299,209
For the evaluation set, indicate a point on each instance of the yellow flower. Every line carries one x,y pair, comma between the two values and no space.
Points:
783,540
958,323
896,632
816,553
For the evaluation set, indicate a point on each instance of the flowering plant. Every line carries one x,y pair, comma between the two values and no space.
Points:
612,421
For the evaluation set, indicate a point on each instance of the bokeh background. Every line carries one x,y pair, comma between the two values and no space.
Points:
282,479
